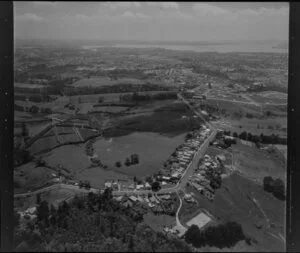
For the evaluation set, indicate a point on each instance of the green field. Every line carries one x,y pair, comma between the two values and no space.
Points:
71,157
28,178
153,150
234,202
158,222
165,119
100,81
256,163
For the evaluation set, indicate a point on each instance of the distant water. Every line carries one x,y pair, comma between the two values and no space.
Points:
220,48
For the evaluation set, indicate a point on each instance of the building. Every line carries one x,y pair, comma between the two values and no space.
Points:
133,198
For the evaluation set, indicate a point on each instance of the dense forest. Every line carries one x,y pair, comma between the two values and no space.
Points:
91,223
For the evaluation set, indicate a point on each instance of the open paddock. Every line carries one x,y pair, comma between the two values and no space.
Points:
200,220
104,80
71,157
153,150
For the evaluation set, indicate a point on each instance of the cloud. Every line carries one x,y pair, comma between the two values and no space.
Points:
164,5
29,17
207,9
46,3
120,5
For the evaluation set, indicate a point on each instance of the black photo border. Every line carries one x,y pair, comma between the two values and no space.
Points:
7,127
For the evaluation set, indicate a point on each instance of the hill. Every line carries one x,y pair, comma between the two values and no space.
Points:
92,223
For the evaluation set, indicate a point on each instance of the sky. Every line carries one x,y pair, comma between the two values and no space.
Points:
156,21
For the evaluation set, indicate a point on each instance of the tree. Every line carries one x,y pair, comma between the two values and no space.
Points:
38,199
43,211
216,182
243,135
34,109
156,186
235,135
192,234
149,179
268,183
127,162
100,100
278,189
24,132
16,219
118,164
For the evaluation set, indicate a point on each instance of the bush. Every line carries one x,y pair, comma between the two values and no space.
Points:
276,187
224,235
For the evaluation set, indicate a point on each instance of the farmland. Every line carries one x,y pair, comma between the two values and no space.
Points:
29,177
100,81
234,201
158,222
72,157
256,163
174,118
153,149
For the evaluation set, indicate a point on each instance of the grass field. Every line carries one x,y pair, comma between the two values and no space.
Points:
112,109
267,126
100,81
158,222
72,157
98,176
153,150
257,164
52,197
28,177
234,202
166,119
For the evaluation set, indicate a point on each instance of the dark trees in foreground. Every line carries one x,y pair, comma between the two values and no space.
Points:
224,235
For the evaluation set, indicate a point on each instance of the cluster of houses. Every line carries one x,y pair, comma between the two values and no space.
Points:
162,204
29,213
179,161
200,181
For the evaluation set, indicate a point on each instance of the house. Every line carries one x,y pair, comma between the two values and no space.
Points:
152,199
188,198
127,204
140,199
108,185
31,210
139,186
163,183
147,185
119,199
166,178
133,198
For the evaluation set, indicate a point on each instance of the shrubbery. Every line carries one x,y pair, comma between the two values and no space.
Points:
276,187
224,235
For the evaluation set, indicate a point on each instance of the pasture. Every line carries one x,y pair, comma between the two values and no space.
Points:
234,201
153,150
256,163
104,80
158,222
71,157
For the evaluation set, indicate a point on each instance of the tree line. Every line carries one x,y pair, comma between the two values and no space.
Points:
221,236
145,97
257,139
